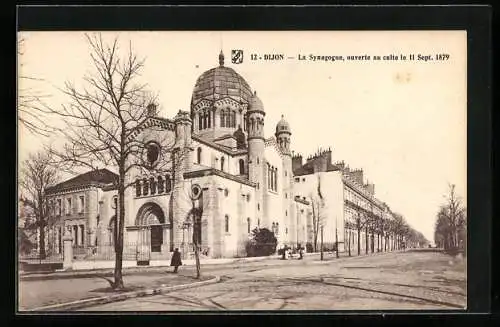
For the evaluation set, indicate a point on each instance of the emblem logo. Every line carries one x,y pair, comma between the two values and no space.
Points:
236,56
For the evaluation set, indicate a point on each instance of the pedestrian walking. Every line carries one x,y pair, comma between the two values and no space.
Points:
283,255
176,260
301,253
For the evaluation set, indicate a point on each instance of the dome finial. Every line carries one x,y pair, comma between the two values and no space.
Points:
282,116
221,58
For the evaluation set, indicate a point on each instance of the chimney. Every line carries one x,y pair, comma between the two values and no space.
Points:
151,110
319,164
296,162
358,176
328,156
370,188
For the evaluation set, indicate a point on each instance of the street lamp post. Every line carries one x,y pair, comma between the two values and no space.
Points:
336,239
321,243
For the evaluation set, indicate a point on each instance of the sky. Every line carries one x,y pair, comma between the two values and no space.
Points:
403,122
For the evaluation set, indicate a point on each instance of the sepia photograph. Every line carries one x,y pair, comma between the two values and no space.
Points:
225,171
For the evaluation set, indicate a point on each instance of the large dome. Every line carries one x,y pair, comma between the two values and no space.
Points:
221,82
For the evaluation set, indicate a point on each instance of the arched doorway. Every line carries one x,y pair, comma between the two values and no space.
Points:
151,220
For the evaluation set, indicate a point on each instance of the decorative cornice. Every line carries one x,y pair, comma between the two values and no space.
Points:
219,147
74,188
216,172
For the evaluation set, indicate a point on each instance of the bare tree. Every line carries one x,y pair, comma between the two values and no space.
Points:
104,123
318,208
360,223
30,101
38,174
455,213
449,231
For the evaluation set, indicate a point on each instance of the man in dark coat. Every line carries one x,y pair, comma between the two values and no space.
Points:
176,260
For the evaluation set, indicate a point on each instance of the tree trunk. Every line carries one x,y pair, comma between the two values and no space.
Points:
349,245
197,231
119,223
41,241
359,241
316,240
366,240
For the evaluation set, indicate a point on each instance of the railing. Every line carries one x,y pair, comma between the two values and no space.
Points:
35,258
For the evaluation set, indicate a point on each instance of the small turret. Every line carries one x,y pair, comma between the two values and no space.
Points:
283,134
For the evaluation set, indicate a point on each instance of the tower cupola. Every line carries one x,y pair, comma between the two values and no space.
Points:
282,135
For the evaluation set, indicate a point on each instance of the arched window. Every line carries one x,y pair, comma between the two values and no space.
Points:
222,163
268,176
242,166
228,118
168,184
248,225
145,187
161,184
226,223
138,188
245,123
152,185
200,121
277,228
198,158
271,172
258,222
275,179
273,228
233,119
222,118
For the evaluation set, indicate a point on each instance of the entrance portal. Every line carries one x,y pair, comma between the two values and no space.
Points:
151,219
156,238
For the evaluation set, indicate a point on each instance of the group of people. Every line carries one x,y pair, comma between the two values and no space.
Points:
288,252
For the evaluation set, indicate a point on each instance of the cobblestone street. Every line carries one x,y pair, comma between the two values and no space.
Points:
410,280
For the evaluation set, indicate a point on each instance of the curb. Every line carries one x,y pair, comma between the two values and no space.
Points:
120,297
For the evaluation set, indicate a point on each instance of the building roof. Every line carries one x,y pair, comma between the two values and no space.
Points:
100,177
283,126
220,147
308,168
221,82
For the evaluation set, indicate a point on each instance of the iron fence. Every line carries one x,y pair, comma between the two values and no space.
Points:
131,251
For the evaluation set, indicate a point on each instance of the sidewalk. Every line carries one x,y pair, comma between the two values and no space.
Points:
41,293
85,269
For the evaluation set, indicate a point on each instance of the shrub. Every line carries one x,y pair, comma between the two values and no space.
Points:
263,243
309,247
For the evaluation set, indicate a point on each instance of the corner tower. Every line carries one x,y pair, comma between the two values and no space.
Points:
255,128
283,135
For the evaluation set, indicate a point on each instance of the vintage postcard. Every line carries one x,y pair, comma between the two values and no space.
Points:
241,170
